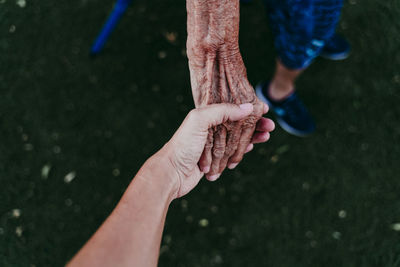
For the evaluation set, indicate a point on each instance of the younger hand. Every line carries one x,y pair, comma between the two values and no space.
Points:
186,146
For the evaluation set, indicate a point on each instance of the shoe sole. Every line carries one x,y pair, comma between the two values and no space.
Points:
340,56
281,122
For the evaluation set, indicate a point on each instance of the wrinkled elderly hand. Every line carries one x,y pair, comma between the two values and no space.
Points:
218,75
184,149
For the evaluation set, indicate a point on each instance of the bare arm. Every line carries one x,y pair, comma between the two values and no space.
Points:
218,75
131,235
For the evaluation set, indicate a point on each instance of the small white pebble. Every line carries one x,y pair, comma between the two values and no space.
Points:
274,159
171,37
217,259
45,171
395,226
69,177
18,231
162,54
342,214
203,222
12,29
336,235
16,213
21,3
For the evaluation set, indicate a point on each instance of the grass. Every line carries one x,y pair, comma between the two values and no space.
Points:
328,200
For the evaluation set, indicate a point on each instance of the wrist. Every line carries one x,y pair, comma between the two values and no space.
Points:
158,172
198,50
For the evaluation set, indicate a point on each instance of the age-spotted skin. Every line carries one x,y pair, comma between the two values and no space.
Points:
218,75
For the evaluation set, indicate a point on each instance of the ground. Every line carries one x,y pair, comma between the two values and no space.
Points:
74,130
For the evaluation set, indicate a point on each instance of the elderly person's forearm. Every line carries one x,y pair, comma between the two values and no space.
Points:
218,75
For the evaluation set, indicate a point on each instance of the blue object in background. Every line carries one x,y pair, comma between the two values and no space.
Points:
113,18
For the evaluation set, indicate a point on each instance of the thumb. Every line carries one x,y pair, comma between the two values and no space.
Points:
216,114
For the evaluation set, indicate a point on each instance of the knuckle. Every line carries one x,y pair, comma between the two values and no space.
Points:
230,150
250,121
236,158
218,151
230,125
193,115
208,145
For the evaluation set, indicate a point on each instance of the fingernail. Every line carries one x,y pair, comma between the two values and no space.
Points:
206,169
265,108
214,177
249,148
247,106
232,165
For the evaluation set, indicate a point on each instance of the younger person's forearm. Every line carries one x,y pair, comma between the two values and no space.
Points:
131,235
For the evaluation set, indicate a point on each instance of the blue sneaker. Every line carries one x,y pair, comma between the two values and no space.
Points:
290,112
337,48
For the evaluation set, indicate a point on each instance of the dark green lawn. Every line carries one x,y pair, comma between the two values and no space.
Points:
328,200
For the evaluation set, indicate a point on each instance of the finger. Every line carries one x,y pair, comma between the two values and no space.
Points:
216,114
245,139
249,148
232,137
265,125
260,137
206,157
265,108
218,152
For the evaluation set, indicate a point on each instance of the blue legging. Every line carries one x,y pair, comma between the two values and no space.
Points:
301,28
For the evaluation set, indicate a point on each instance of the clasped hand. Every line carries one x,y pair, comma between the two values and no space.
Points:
181,155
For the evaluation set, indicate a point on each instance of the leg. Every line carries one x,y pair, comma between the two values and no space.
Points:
292,26
301,29
282,83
